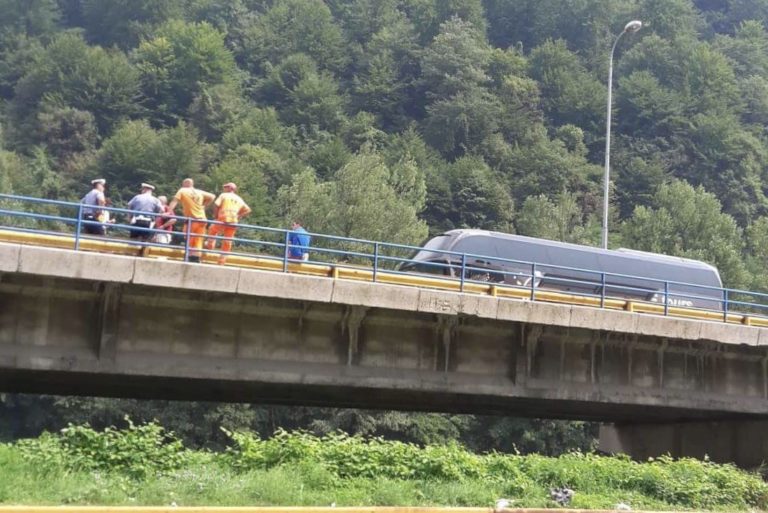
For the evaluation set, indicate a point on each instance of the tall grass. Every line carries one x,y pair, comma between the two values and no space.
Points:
143,465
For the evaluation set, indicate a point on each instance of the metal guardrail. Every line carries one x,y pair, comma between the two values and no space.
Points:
61,223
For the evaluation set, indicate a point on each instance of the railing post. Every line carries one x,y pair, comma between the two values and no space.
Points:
188,231
602,290
375,260
463,269
286,241
533,282
666,298
725,305
78,226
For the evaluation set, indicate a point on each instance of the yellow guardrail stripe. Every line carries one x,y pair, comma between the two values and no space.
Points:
366,274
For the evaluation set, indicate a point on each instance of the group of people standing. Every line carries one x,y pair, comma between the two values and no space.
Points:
153,218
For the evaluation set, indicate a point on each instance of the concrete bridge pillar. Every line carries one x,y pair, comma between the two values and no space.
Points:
742,442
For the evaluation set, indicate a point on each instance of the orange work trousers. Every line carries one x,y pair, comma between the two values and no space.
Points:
196,236
221,230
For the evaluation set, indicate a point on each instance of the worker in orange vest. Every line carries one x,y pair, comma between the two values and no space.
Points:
228,208
193,202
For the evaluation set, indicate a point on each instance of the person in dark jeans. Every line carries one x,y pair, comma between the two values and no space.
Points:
146,206
90,212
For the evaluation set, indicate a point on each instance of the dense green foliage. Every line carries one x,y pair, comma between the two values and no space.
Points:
392,119
199,424
139,451
146,465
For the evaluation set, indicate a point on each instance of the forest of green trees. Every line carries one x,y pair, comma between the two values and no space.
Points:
393,119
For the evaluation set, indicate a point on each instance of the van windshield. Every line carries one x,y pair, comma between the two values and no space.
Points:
429,253
439,242
431,249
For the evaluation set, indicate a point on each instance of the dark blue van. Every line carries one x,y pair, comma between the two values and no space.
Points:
570,268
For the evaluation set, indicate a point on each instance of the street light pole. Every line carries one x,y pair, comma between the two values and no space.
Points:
631,27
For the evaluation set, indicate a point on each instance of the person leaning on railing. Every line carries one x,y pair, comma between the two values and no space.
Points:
193,202
228,208
90,212
145,205
165,222
299,241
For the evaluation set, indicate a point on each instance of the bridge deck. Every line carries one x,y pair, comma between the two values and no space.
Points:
100,324
367,274
79,322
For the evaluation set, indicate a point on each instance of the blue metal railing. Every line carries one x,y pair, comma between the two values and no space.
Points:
53,217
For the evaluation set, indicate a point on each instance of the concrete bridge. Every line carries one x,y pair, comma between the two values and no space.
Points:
97,324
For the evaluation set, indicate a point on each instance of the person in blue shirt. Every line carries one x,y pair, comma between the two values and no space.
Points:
299,241
144,205
91,211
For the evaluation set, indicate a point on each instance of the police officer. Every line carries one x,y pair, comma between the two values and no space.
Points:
145,206
90,212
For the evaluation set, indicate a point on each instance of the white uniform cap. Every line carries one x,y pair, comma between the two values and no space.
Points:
98,180
148,186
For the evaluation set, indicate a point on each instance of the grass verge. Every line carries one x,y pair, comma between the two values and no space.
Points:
143,465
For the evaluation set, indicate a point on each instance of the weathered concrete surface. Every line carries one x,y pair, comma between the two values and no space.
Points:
41,261
98,324
284,286
9,257
171,274
71,264
384,296
744,442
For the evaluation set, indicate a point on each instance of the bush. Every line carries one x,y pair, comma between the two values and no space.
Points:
138,451
686,482
148,464
355,457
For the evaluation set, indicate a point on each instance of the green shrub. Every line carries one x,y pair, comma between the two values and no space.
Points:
138,451
685,482
145,463
354,457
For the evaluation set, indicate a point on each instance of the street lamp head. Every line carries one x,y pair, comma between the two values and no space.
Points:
633,26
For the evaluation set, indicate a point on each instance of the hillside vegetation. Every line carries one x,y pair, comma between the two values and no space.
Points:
146,465
387,119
